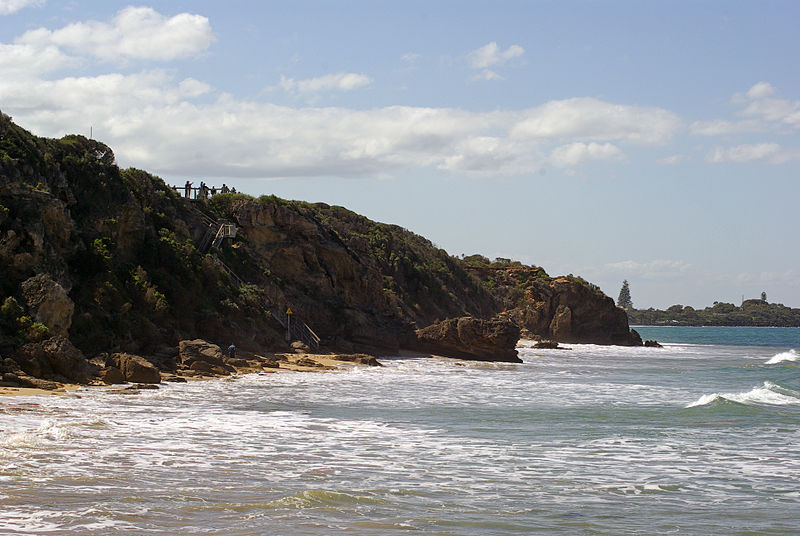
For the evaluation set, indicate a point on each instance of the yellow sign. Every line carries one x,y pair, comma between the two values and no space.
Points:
289,311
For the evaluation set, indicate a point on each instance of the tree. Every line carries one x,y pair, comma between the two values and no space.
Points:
624,299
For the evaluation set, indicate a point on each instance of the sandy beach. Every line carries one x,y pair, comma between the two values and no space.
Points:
287,362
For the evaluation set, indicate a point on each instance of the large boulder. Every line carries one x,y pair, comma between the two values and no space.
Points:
134,368
203,356
195,350
56,359
471,338
49,303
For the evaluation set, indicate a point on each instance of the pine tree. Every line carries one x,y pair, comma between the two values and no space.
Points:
624,299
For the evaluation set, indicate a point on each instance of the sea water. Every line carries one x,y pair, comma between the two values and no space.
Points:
688,439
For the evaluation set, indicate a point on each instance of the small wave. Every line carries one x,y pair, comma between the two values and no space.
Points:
324,498
770,394
791,355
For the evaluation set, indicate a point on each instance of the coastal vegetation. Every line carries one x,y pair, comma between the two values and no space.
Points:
754,312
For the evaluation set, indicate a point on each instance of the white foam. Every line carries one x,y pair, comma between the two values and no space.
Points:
705,399
791,355
769,393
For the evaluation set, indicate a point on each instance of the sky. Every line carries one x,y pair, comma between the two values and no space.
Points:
653,142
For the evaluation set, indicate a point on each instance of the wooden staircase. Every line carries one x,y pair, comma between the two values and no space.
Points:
216,232
297,329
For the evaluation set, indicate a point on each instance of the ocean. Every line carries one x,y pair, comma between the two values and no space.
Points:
700,437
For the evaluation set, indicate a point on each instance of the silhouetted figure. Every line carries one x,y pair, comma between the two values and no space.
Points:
225,188
188,189
232,351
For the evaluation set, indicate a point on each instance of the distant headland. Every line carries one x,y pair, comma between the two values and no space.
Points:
755,312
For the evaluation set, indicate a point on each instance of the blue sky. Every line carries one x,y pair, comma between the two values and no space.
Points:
650,141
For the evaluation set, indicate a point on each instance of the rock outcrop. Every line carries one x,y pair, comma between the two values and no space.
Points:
49,303
204,357
134,368
565,309
54,359
471,338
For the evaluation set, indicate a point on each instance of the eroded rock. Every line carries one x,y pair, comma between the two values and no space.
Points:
471,338
49,303
134,368
54,359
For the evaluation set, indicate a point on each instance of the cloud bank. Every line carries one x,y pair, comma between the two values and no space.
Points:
177,125
134,33
7,7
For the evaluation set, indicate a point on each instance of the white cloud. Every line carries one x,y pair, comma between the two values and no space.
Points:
779,112
670,160
720,127
771,153
27,60
491,55
488,75
329,82
760,90
7,7
134,33
153,121
157,121
588,118
575,153
763,111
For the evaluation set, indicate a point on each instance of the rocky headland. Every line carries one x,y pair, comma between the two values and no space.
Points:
110,275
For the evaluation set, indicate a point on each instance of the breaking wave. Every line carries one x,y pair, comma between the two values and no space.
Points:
769,393
791,355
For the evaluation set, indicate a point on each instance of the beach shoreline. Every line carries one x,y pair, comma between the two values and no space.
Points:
287,362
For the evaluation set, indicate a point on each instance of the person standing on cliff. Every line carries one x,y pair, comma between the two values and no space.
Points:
187,189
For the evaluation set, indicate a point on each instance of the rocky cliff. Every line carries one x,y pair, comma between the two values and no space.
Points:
564,309
99,261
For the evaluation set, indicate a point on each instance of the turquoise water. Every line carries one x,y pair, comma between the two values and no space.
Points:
720,335
689,439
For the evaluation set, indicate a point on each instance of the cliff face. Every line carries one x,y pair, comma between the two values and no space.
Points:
352,279
564,309
109,260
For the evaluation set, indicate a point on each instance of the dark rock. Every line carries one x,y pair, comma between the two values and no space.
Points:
54,358
111,375
362,359
237,362
548,344
23,380
172,378
652,344
201,366
196,350
272,363
144,386
471,338
134,368
306,362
